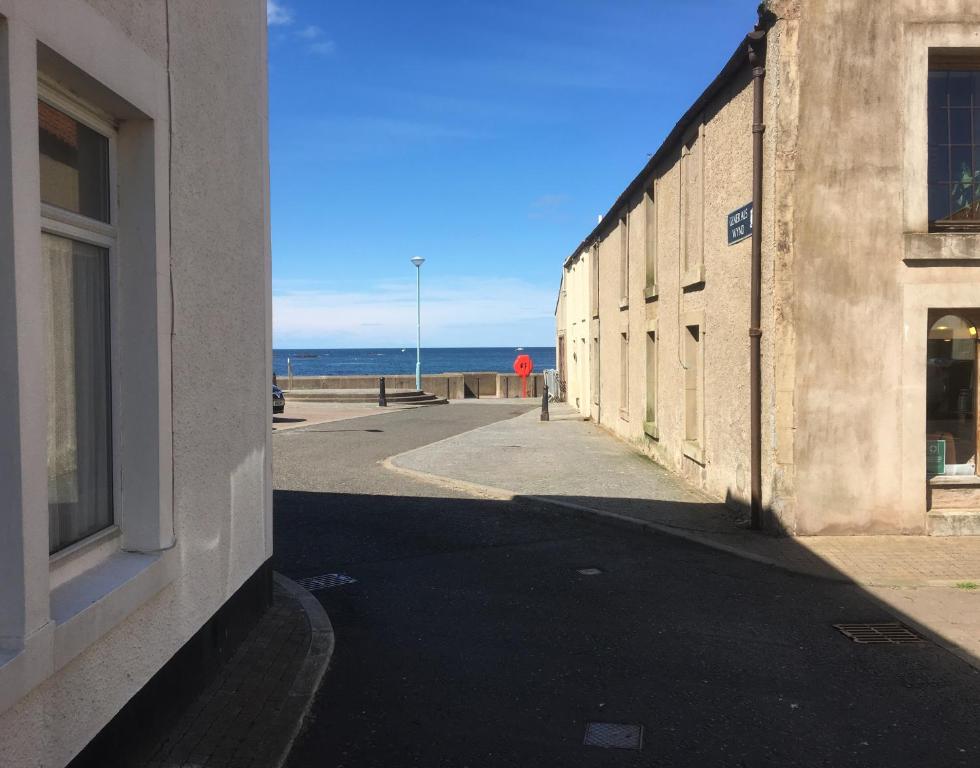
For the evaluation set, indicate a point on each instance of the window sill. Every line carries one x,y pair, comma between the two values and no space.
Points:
87,606
650,429
72,561
650,293
941,246
693,277
954,481
694,452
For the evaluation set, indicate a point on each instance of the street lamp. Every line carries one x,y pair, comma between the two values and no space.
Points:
417,261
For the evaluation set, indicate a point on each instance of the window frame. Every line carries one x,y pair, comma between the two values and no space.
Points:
624,259
77,227
652,350
947,63
651,231
624,375
692,210
694,448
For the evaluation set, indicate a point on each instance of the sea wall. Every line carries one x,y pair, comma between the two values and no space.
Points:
452,386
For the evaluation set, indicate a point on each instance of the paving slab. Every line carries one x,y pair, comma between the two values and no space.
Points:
249,715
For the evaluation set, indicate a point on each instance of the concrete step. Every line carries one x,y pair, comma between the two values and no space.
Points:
956,521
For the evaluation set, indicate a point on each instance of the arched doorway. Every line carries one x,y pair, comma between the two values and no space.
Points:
951,393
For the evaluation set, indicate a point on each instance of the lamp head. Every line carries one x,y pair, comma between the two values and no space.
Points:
417,261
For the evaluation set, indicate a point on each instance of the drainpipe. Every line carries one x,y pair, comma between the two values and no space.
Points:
756,51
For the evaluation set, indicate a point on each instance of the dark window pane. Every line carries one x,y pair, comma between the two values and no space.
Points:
976,89
961,89
74,164
962,165
938,202
937,89
938,126
976,127
938,164
960,126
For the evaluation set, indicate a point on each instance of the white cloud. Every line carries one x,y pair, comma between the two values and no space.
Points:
462,311
309,32
277,13
324,48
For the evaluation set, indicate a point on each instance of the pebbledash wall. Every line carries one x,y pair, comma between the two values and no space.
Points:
853,273
181,89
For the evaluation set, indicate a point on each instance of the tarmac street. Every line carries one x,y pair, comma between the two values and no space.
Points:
486,632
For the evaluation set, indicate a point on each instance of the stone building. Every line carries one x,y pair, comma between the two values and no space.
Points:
135,512
867,230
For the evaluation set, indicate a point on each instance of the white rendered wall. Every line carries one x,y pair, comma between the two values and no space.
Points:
213,244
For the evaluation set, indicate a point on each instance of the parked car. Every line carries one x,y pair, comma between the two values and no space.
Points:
278,400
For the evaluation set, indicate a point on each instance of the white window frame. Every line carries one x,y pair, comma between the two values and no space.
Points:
67,562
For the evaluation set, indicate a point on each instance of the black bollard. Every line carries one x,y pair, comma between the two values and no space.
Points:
382,397
544,405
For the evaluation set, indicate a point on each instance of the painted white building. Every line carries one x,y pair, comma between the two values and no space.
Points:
135,327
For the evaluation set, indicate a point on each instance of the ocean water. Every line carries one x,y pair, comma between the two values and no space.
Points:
384,362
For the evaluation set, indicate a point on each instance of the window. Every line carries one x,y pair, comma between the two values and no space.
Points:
650,238
951,393
624,376
624,260
693,337
650,422
954,143
595,280
594,359
692,208
75,244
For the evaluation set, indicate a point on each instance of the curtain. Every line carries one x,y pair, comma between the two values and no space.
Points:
78,440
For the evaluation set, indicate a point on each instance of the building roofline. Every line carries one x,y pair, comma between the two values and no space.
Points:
736,63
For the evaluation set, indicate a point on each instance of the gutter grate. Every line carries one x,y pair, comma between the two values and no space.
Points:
879,634
327,580
613,735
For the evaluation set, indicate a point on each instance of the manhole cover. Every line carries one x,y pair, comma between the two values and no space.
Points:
614,735
327,580
589,571
877,634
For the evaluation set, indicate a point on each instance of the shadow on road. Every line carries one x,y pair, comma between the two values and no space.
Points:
489,633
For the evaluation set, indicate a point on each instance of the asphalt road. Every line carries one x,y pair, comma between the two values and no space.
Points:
470,638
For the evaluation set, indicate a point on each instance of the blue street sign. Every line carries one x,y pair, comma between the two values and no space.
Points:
740,224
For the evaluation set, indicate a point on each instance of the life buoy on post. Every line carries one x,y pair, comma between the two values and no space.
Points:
523,366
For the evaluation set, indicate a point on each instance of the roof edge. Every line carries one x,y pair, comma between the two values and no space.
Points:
733,67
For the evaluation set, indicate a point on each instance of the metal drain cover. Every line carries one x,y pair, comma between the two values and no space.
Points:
614,735
879,634
327,580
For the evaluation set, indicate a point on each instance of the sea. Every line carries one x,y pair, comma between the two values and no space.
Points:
385,362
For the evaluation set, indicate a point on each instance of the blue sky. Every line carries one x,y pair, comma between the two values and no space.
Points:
485,136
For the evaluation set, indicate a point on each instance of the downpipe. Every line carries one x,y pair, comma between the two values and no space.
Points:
757,60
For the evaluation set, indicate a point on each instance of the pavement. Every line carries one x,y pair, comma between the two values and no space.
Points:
480,631
524,457
249,714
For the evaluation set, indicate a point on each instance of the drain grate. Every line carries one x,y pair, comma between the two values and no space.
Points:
327,580
613,735
879,634
589,571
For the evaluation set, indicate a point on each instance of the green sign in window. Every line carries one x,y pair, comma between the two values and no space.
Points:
936,457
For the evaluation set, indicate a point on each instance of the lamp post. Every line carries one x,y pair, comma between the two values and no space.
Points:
417,261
